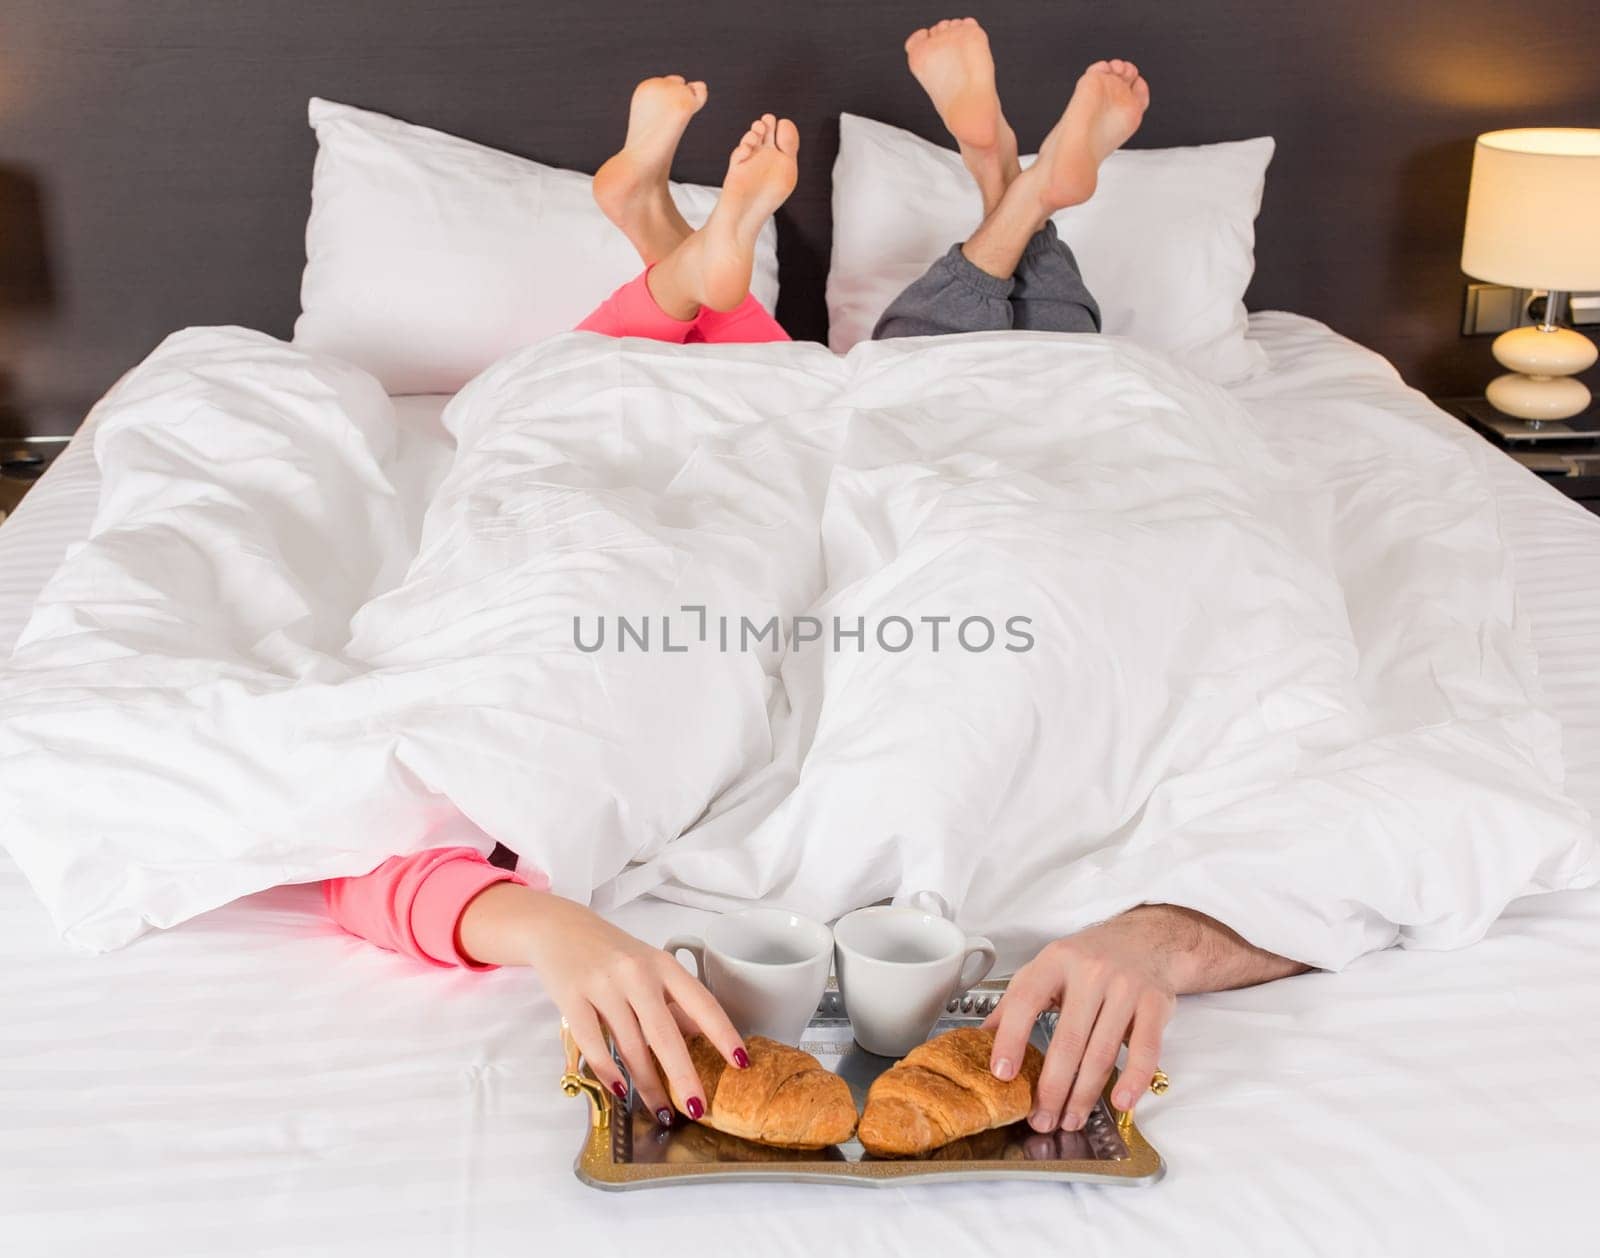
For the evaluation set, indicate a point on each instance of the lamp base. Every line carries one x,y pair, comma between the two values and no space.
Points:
1543,360
1537,399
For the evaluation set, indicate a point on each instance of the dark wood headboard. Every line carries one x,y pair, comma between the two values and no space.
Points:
155,161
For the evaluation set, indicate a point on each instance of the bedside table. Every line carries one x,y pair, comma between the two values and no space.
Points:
1565,453
23,460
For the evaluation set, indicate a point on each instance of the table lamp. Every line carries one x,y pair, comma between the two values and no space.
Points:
1533,221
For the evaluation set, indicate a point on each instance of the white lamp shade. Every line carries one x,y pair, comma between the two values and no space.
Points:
1533,211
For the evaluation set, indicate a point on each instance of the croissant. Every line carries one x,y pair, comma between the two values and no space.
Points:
986,1146
784,1097
943,1090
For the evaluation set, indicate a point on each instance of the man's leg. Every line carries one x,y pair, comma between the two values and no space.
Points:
1049,294
953,63
1014,248
1106,108
950,296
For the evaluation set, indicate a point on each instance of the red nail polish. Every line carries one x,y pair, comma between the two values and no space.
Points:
621,1089
664,1117
695,1107
741,1059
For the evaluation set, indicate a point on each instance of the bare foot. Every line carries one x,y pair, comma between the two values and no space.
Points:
631,188
761,175
1106,108
951,60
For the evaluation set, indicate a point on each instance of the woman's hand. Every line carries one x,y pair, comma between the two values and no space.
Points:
1112,982
603,977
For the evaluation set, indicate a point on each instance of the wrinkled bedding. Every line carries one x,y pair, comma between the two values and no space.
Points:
1294,694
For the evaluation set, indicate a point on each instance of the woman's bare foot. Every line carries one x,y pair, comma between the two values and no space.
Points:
951,60
712,268
631,188
1106,108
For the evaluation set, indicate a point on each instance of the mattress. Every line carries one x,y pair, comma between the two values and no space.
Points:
258,1082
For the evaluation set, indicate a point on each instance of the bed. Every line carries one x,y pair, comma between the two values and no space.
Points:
257,1079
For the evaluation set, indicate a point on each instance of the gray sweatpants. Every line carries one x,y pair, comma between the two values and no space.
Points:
1046,294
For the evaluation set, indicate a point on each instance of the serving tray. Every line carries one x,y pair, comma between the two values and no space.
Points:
624,1147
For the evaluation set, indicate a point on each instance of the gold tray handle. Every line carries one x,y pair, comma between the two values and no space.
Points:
1159,1083
578,1081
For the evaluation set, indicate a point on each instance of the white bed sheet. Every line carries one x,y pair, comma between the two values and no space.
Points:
258,1082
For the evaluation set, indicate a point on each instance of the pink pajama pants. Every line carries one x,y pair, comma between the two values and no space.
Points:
632,311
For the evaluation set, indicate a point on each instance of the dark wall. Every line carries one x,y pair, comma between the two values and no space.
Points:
155,161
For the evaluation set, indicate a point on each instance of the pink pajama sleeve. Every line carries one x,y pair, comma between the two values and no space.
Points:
632,311
413,904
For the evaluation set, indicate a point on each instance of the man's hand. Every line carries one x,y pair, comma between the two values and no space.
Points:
1113,982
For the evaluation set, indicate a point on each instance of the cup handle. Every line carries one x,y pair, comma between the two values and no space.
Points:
932,902
696,948
983,950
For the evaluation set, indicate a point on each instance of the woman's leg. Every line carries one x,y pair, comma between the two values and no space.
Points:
748,323
631,188
705,285
632,311
712,266
702,284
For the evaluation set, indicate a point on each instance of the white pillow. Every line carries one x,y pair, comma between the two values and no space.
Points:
1166,244
428,256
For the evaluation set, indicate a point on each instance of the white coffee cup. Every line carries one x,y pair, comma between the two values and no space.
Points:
898,968
766,967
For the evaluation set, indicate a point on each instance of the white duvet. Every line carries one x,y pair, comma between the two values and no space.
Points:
1279,681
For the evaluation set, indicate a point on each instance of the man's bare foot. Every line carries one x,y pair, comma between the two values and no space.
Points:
761,175
631,188
1106,108
951,60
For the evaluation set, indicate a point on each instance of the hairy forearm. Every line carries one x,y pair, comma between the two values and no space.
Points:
1203,955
